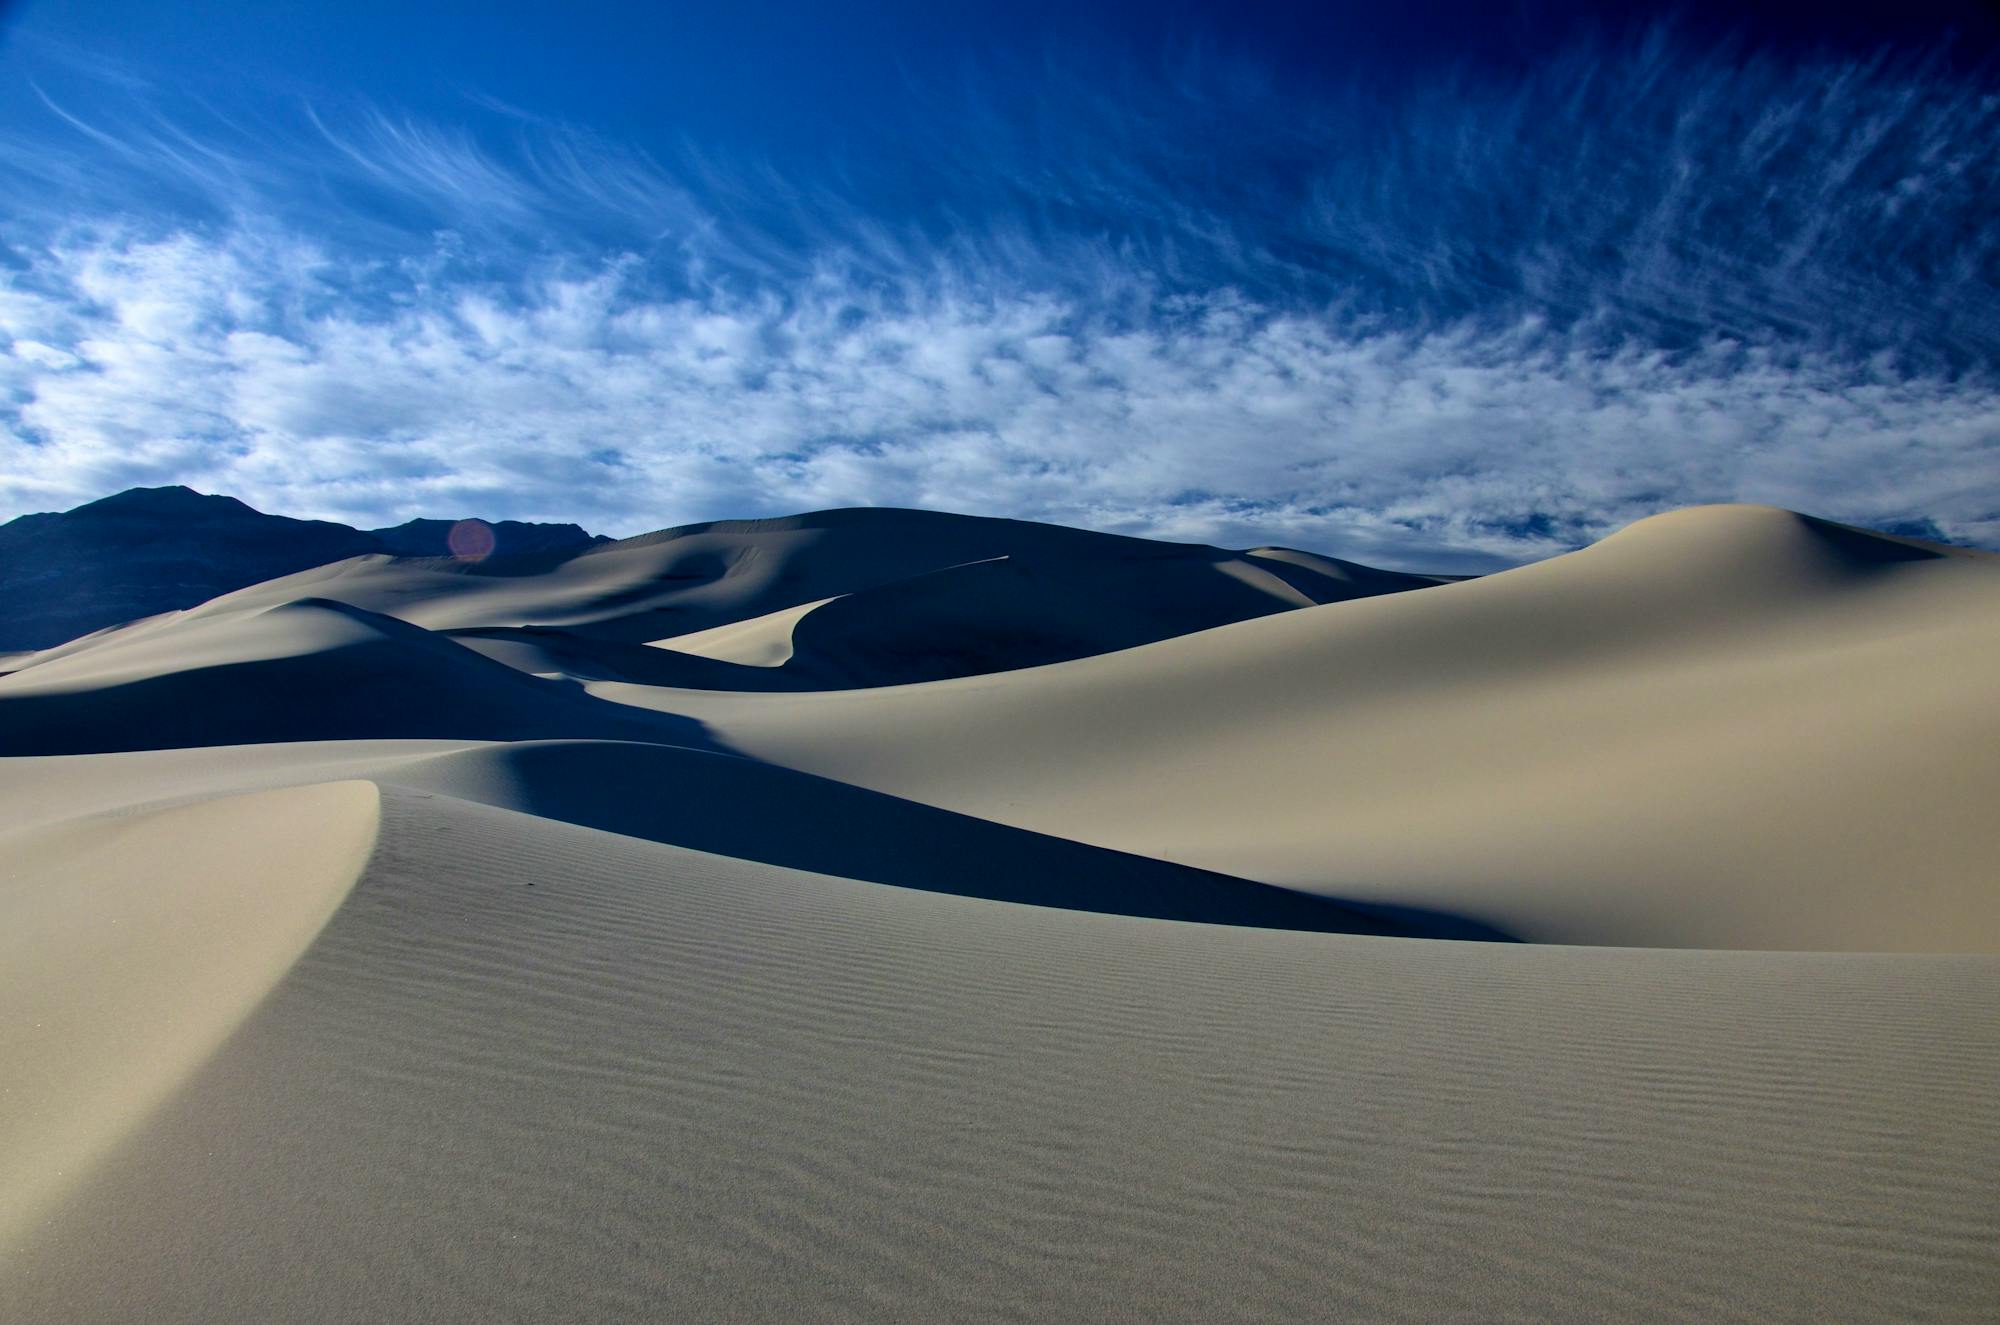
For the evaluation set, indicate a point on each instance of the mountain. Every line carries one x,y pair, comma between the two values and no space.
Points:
511,538
152,550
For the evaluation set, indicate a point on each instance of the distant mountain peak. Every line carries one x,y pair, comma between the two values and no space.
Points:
432,538
172,500
149,550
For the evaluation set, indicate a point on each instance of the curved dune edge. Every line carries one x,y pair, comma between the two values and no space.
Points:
533,1071
135,944
1726,727
760,641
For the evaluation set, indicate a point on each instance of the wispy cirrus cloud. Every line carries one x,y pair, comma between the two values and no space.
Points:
584,396
1478,323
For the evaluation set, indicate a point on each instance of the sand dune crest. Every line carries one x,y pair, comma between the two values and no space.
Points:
134,945
1727,727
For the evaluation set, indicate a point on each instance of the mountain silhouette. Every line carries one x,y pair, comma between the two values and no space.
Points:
150,550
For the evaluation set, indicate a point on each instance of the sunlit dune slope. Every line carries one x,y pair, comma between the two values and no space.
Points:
665,1082
1728,726
133,945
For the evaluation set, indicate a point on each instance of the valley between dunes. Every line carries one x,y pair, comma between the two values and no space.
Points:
886,915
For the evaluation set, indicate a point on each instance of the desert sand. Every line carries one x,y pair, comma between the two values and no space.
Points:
889,915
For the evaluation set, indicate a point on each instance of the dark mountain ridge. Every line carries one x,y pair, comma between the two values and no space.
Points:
150,550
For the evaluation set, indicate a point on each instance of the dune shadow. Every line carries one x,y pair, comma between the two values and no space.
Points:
359,692
735,806
1432,923
1864,549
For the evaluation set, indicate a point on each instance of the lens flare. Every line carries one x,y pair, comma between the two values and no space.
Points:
470,540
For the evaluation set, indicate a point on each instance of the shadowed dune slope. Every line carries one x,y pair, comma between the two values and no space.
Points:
309,669
737,807
967,620
1729,726
717,803
660,1083
982,595
1026,611
550,651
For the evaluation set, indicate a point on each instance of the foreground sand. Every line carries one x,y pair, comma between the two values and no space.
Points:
660,1084
379,947
135,944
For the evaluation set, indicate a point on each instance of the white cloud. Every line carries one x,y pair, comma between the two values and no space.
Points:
1479,322
225,363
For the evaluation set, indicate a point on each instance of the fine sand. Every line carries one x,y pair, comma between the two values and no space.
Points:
666,1085
411,940
1726,727
134,944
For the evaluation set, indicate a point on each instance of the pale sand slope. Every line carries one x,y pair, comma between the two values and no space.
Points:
134,944
1726,727
711,802
761,641
663,1085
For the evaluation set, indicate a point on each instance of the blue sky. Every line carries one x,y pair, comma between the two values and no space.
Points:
1449,286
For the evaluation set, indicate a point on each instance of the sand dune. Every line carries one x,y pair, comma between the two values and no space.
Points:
134,945
875,597
301,670
701,927
718,803
681,580
738,807
761,641
1021,611
667,1084
1725,727
556,654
